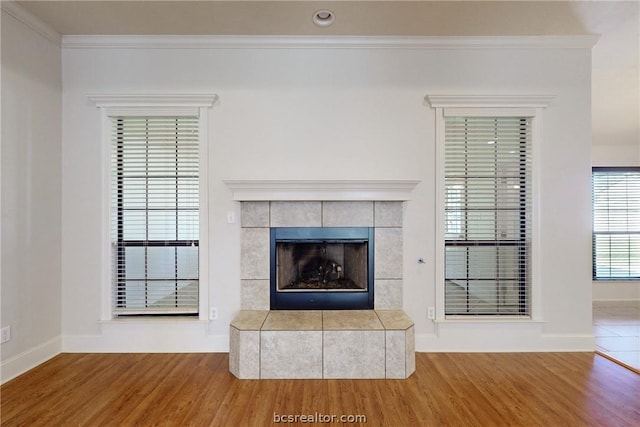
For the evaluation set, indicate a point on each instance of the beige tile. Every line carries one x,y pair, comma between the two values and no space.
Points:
244,354
347,214
254,295
254,253
395,354
354,354
234,351
388,253
254,214
410,352
296,214
293,320
394,319
249,320
388,214
354,320
291,354
388,294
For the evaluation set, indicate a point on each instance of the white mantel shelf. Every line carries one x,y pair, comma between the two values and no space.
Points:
321,190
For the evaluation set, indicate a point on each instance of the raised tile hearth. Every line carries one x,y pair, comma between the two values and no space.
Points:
321,344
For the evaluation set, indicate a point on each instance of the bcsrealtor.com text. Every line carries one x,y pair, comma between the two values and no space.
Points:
318,418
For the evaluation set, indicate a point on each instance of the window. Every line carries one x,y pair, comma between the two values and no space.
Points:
155,214
616,223
487,219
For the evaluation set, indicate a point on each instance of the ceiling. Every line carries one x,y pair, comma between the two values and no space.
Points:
616,56
419,18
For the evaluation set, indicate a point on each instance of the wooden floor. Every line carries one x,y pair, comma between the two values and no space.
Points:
524,389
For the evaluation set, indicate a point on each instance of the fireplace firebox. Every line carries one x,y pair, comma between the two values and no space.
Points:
322,268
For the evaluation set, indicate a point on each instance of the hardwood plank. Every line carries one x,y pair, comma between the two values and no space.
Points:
521,389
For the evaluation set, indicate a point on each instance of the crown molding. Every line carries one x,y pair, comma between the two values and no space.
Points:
489,101
321,190
153,100
31,21
319,42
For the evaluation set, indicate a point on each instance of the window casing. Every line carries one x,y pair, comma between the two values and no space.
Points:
616,223
155,214
449,214
151,105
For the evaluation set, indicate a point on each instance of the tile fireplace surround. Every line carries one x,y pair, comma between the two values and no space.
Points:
375,343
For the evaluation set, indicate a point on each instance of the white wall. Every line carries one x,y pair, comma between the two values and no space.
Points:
31,196
333,113
616,110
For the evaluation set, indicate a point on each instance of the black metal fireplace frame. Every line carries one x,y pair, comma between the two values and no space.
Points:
322,300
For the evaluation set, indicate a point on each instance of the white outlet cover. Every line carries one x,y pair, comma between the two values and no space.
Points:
5,334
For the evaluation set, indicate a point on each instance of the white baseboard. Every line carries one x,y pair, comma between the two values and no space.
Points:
131,336
21,363
431,343
101,344
616,290
146,336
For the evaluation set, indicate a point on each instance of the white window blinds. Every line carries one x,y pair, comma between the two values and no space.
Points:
487,215
616,223
155,215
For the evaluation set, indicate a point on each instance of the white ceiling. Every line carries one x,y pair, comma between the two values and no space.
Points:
616,57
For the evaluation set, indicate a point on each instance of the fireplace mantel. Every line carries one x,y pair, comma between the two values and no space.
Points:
321,190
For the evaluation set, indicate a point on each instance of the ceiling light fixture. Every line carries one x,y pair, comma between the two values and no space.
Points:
323,18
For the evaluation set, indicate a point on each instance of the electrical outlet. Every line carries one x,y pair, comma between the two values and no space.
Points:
231,217
5,334
431,313
213,313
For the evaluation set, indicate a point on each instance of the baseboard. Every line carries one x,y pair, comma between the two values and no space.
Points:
21,363
618,302
133,344
505,343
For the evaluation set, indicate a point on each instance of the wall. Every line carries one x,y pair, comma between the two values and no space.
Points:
333,113
616,110
31,196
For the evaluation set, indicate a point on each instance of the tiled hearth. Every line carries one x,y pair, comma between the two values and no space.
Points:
322,344
375,343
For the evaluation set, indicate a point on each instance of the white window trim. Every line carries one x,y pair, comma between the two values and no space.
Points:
487,106
111,105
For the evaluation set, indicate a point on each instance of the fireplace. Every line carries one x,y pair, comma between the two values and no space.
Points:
322,268
322,242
